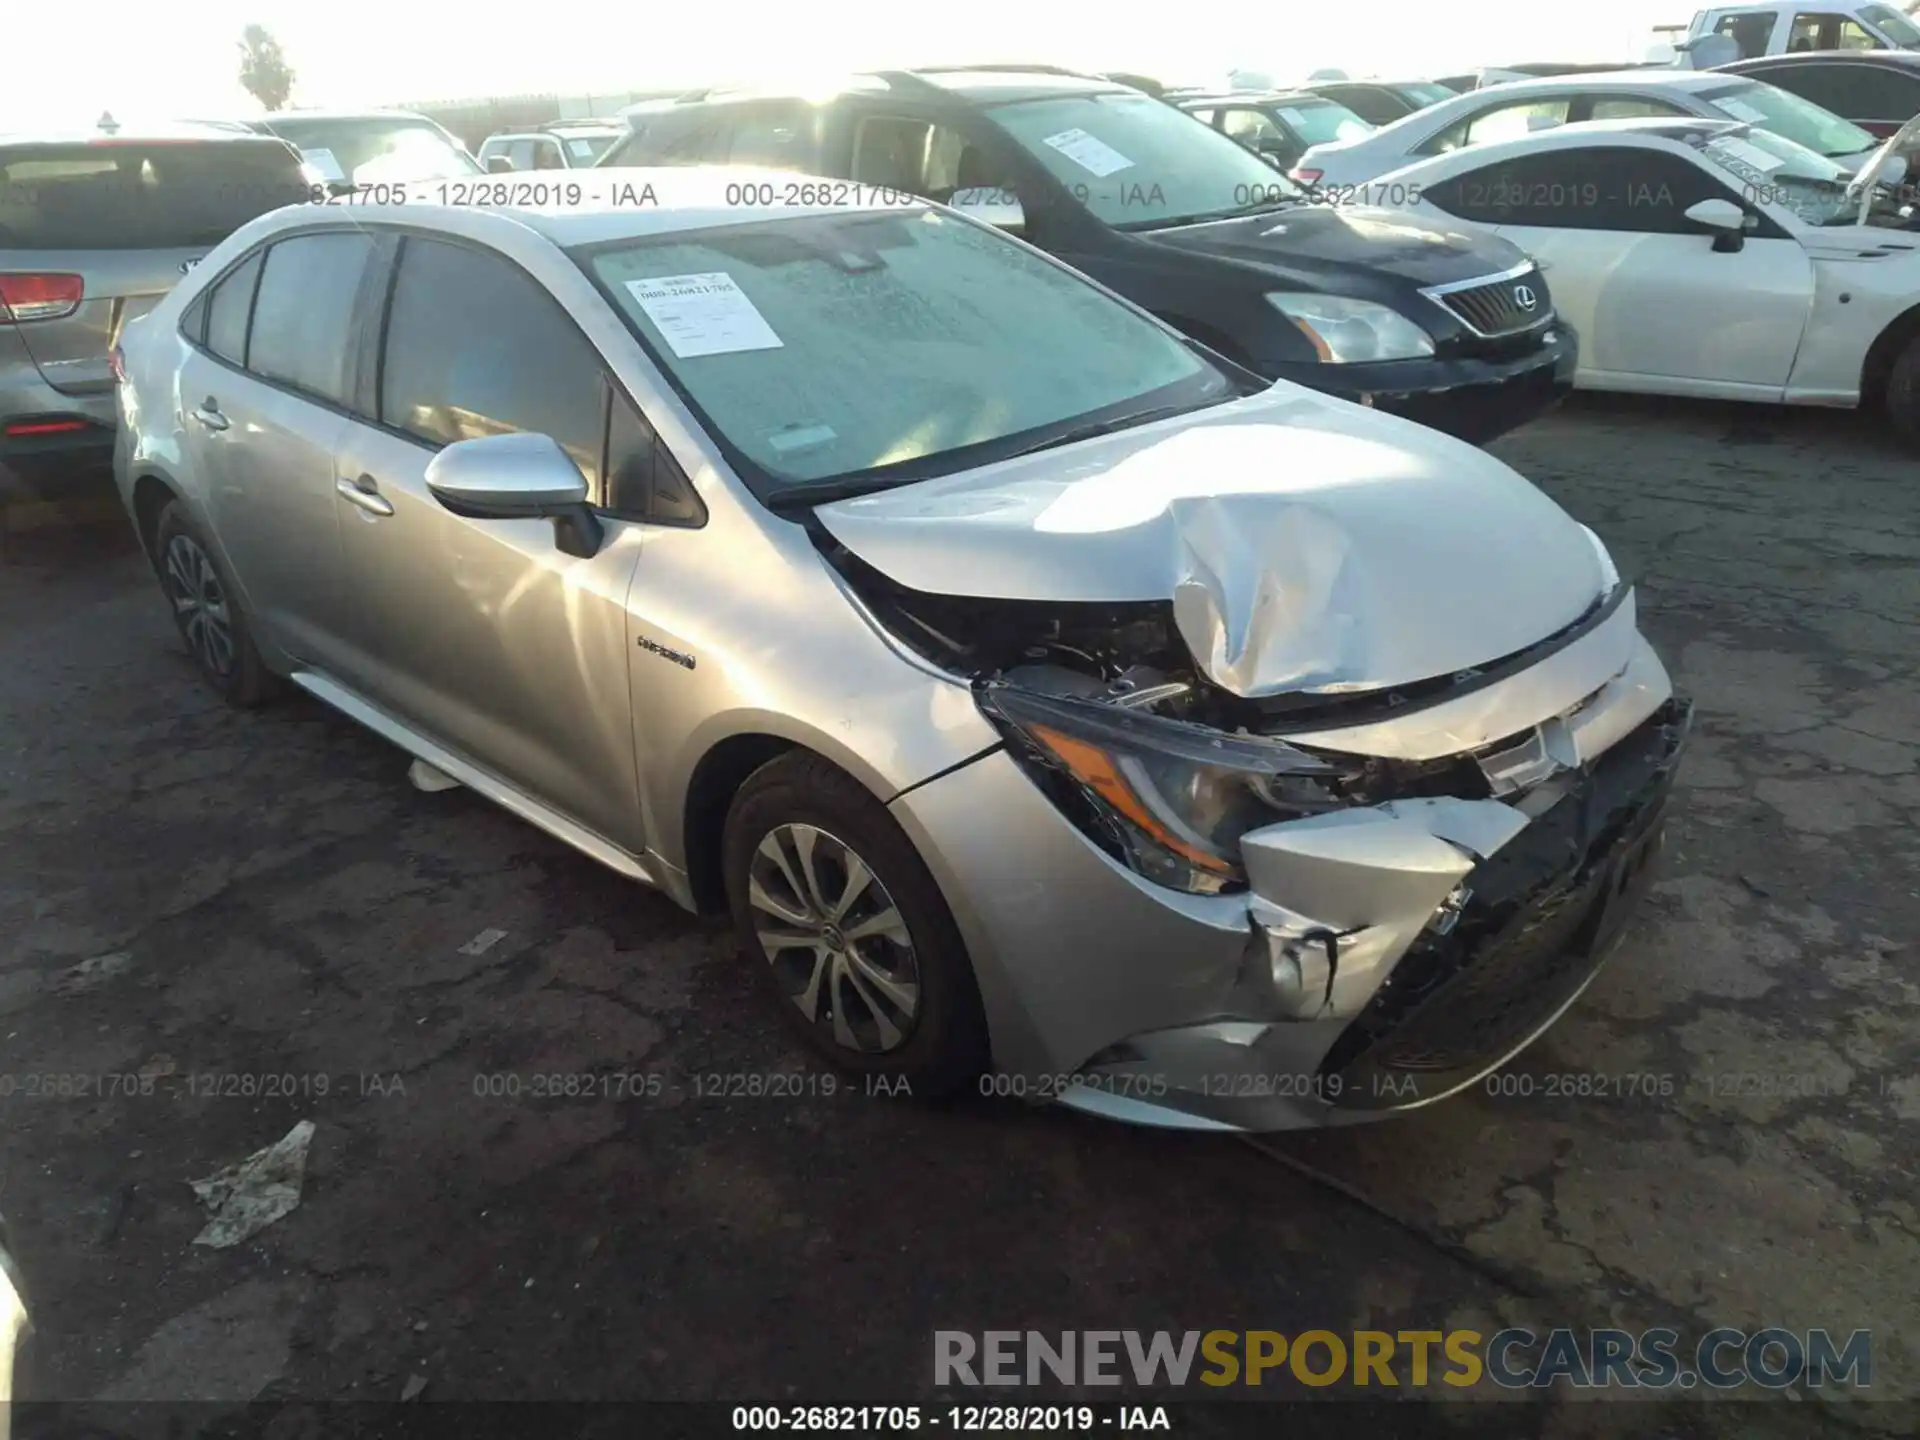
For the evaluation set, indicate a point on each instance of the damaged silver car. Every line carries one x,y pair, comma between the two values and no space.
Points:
1056,707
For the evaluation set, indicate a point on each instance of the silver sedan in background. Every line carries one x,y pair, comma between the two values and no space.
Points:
1041,693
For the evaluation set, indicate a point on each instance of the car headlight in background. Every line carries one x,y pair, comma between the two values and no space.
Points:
1169,799
1346,332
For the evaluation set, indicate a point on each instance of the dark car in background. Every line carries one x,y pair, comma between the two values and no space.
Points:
1279,126
94,229
1381,102
1878,90
1455,330
371,148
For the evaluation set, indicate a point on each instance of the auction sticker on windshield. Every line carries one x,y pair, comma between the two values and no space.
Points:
703,314
1090,154
322,159
1740,110
580,149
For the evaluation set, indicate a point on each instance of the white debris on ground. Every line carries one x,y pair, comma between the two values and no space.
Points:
483,942
247,1197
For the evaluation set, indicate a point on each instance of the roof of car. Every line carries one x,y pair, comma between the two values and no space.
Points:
1251,97
1904,59
1611,80
174,132
1016,84
683,198
283,117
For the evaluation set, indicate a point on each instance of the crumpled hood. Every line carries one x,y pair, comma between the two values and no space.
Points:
1318,240
1306,543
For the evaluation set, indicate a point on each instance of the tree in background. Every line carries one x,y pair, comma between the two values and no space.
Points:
264,69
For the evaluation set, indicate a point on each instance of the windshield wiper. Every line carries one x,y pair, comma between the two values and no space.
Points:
1108,427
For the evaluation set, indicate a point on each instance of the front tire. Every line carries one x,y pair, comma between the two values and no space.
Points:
1903,394
849,930
207,610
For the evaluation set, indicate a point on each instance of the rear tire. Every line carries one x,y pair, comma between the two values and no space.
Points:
849,930
206,608
1903,394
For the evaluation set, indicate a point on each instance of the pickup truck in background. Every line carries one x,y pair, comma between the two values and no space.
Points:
1745,32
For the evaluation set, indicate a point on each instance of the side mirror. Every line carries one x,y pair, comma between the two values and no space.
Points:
499,165
992,205
518,477
1725,220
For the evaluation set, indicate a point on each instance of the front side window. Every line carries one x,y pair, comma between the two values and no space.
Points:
1614,188
1250,127
1629,107
775,134
304,310
444,378
1137,163
1749,33
920,157
1790,117
886,346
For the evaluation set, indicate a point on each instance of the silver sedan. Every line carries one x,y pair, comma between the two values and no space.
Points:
1058,709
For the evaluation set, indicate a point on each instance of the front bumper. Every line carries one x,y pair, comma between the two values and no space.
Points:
1467,927
1473,398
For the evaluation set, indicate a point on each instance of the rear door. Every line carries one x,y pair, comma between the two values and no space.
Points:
129,218
264,398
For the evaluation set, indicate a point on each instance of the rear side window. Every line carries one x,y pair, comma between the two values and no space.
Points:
445,378
776,135
229,305
304,310
101,195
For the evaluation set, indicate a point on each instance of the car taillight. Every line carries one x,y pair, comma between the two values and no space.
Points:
39,297
1304,175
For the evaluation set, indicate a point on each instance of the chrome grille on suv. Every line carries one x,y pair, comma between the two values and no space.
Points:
1499,305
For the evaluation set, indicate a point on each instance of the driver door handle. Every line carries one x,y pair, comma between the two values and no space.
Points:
364,493
209,415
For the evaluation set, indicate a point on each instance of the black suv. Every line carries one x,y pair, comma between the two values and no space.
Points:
1449,327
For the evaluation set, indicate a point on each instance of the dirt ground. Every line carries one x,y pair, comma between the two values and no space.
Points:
187,893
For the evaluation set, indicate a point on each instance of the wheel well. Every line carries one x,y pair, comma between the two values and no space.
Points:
150,497
1212,338
1886,349
716,779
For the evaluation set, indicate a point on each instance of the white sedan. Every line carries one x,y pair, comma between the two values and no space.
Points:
1707,258
1518,108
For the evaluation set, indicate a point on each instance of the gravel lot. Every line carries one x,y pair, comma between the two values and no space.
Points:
186,892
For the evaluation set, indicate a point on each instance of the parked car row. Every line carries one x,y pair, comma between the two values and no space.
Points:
1037,687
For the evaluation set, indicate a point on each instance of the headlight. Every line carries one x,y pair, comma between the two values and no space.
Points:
1609,572
1169,799
1351,331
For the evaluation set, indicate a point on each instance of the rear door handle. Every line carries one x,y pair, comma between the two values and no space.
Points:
364,493
209,415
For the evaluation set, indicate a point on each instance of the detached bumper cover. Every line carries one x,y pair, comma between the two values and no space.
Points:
1471,397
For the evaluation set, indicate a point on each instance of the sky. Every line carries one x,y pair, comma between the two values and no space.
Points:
144,60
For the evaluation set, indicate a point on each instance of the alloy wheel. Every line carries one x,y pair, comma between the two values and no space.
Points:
838,944
200,605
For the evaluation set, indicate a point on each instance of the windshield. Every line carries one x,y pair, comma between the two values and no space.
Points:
135,195
1771,169
1320,121
373,152
1137,163
1786,114
890,346
1892,24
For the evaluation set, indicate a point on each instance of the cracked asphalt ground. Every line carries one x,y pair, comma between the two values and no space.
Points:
188,892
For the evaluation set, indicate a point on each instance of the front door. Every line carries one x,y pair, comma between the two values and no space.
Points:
1656,305
483,634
